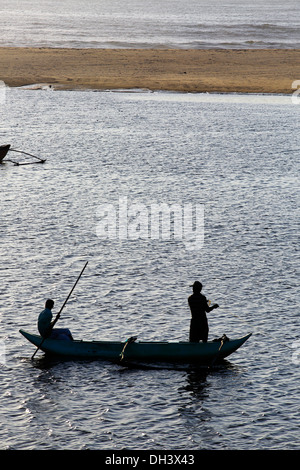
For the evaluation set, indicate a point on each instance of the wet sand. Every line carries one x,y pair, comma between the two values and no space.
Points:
243,71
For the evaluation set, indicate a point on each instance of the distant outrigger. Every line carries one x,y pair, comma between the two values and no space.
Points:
5,148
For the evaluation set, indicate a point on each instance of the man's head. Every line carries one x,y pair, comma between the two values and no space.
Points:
197,286
49,304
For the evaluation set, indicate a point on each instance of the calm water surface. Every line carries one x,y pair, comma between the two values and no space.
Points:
235,155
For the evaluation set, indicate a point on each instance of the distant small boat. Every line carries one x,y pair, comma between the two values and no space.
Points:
5,148
140,351
3,151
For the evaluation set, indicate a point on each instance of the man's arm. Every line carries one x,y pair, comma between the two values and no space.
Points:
209,309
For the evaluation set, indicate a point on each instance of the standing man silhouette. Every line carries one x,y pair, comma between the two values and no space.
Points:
199,306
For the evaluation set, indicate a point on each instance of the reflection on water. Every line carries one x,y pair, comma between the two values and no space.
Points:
196,378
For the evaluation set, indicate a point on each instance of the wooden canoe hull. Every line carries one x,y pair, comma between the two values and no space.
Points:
3,151
184,352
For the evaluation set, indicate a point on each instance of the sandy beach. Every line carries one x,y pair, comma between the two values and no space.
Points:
243,71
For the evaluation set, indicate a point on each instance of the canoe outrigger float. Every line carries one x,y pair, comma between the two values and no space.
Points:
139,351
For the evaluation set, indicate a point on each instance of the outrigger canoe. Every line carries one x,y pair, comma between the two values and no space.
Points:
3,151
139,351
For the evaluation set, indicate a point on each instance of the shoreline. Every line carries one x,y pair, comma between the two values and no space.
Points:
256,71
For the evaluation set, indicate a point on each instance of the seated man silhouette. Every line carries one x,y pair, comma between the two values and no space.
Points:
45,324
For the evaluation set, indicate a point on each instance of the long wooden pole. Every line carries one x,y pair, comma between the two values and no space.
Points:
58,315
